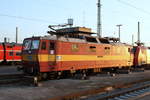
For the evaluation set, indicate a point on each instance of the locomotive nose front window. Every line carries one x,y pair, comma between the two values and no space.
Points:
30,44
26,44
35,44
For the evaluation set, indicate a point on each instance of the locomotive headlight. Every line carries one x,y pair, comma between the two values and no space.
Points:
58,58
29,57
29,52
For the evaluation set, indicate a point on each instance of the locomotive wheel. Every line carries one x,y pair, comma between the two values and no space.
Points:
81,76
84,76
59,75
44,76
39,77
36,81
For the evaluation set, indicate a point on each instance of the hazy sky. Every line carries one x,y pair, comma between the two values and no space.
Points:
33,17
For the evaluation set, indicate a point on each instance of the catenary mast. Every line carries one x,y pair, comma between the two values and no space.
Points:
99,25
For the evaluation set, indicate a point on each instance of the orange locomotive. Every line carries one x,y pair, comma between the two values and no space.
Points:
73,50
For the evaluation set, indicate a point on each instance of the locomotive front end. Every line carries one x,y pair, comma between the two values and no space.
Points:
30,56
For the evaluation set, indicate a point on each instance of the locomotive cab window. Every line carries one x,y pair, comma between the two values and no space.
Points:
107,50
43,47
26,44
133,50
129,50
52,48
92,48
11,53
90,39
18,53
9,46
35,44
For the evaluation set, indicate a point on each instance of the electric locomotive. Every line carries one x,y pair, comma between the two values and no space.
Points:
73,50
141,56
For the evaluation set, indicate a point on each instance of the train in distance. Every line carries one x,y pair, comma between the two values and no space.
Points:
10,53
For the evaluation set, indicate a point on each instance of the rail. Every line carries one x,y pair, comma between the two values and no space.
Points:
106,92
6,79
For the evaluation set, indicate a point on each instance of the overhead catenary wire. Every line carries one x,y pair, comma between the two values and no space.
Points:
131,5
25,18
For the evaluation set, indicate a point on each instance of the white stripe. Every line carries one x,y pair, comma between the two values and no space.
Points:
13,60
14,50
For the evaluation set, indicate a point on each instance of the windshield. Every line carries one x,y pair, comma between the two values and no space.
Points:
30,44
35,44
26,44
134,49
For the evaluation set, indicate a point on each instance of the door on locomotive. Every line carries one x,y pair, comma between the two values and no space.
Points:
46,55
52,54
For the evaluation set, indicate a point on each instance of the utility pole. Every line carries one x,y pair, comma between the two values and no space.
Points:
99,25
132,39
138,33
139,41
5,40
16,34
119,25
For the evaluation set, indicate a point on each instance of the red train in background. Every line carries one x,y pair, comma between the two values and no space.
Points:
10,53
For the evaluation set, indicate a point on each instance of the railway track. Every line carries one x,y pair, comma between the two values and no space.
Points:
123,93
114,92
133,95
6,79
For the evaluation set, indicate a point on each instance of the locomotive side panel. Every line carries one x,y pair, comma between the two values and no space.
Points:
76,56
115,56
